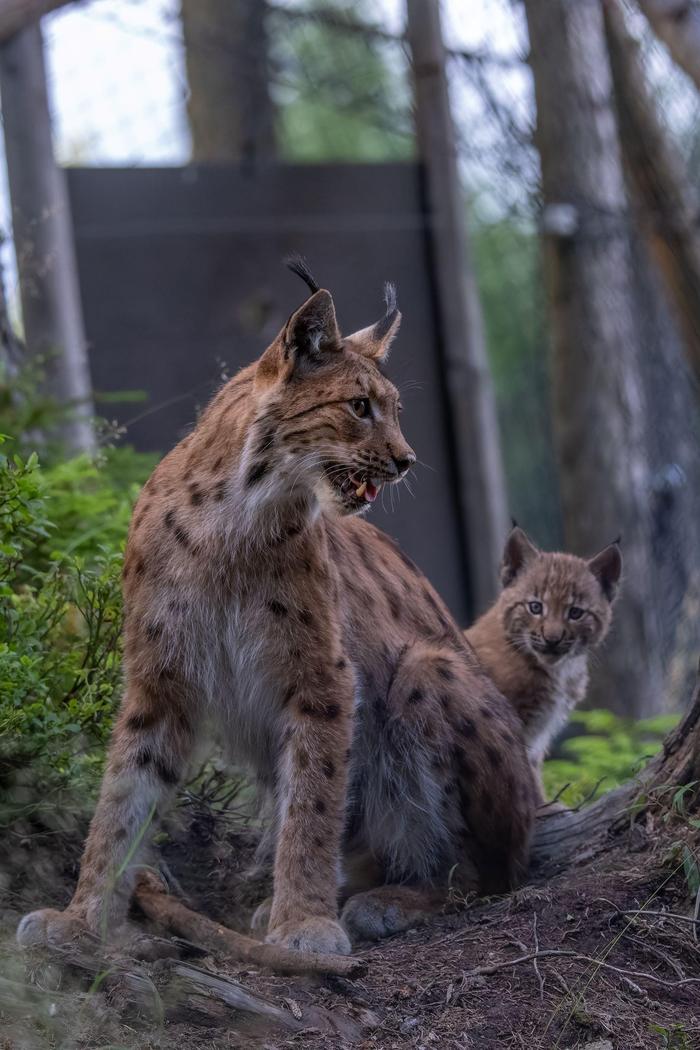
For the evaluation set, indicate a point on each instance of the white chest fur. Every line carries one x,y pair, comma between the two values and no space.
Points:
568,681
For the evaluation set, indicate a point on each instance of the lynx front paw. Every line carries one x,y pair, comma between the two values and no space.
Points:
312,935
53,929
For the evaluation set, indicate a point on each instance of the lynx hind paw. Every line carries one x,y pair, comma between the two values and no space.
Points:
49,928
325,936
373,915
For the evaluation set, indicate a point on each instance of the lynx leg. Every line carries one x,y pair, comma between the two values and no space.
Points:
313,779
147,757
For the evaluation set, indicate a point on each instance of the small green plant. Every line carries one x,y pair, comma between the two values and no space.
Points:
62,532
609,751
674,1038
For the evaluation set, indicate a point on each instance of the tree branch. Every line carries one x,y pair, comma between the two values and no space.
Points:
197,928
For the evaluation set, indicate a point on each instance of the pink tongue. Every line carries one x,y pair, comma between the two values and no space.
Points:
371,492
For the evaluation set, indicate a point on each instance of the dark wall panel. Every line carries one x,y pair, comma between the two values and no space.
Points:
182,280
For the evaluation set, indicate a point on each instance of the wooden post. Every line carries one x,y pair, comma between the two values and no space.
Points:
481,478
51,307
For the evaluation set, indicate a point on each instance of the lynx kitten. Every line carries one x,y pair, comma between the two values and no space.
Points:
535,639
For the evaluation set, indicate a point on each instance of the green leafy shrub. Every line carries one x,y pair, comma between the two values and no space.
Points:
609,751
62,532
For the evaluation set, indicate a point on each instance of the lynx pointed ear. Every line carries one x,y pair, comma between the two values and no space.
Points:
309,334
607,569
375,341
518,551
312,330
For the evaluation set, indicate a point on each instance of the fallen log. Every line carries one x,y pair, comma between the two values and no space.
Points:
568,837
203,991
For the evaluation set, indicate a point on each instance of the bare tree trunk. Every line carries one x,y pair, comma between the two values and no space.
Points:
669,202
467,375
41,220
231,115
677,24
599,407
666,251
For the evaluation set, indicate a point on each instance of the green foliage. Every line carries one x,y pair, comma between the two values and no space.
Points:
610,751
674,1038
25,412
91,500
340,95
61,537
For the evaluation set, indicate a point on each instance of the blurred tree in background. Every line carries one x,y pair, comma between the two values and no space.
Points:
341,95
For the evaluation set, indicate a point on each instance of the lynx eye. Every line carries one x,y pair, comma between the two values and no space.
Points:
535,608
575,612
361,407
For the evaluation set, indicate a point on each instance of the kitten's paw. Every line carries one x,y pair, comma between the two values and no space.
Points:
49,928
261,916
377,913
315,934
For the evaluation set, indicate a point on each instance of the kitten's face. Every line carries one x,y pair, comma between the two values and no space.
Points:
557,605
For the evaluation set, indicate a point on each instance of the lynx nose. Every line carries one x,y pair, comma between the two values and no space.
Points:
551,639
404,461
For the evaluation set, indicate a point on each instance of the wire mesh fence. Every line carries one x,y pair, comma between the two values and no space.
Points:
334,84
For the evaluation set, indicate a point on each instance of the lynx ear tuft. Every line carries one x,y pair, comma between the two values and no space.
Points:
607,569
375,341
517,553
297,264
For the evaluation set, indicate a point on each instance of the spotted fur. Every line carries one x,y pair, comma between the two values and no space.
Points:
532,646
261,605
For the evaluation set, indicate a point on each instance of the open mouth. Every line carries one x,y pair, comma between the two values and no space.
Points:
355,488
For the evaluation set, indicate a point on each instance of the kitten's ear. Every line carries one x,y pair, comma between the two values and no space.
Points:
518,551
375,341
607,569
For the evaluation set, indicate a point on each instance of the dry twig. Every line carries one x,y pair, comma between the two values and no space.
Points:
487,971
536,968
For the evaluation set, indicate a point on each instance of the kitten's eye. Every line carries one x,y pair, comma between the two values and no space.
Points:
575,612
361,407
535,608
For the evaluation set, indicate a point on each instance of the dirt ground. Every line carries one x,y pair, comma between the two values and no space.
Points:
453,984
